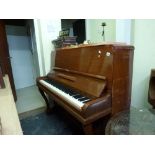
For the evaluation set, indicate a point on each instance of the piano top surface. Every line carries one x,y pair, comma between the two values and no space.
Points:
112,44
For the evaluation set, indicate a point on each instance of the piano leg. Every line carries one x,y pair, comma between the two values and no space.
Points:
88,129
48,110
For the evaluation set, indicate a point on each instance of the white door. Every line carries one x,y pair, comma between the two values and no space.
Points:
22,63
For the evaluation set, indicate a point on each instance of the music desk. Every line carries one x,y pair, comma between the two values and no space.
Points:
132,122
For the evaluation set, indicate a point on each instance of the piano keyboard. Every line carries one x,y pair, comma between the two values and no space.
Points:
69,95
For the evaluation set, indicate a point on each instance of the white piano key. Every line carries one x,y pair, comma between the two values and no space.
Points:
74,102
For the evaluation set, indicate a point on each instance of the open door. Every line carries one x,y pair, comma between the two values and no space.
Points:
5,57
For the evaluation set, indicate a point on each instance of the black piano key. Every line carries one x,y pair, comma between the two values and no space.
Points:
78,96
61,87
69,91
75,94
83,99
72,93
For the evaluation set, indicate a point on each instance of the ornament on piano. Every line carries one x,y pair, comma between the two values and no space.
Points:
103,24
64,40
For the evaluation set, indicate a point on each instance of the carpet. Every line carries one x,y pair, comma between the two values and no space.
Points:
53,124
57,123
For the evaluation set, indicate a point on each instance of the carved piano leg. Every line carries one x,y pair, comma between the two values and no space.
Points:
48,110
88,129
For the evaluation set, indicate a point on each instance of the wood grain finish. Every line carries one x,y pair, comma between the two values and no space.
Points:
70,78
81,73
92,87
103,72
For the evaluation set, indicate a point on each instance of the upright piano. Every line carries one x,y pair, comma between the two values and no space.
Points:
90,81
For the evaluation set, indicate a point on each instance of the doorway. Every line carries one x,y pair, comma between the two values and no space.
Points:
76,27
24,61
21,53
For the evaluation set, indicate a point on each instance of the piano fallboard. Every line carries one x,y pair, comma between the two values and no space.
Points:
93,87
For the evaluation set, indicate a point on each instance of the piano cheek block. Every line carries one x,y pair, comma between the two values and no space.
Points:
99,106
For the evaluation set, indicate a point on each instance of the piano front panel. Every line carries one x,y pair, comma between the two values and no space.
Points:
96,60
68,59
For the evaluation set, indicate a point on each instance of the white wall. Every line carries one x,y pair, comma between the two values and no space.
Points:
144,60
94,30
141,34
123,30
46,31
39,46
33,46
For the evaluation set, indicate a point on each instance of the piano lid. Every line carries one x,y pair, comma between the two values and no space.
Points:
113,44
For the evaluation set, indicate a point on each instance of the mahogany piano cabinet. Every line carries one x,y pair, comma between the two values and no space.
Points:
90,81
